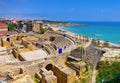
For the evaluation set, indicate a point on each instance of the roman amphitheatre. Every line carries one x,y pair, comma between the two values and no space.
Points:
52,57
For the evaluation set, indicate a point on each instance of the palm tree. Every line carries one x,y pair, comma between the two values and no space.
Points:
82,51
94,42
106,44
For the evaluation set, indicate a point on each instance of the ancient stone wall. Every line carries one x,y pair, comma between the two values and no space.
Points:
92,55
34,65
77,53
63,76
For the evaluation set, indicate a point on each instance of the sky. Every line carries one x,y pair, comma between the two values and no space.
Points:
62,10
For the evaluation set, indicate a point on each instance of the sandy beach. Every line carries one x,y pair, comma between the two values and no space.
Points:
55,28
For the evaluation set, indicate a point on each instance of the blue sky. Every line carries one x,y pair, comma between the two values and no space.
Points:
68,10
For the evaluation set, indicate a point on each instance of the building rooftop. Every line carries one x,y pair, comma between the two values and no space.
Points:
3,24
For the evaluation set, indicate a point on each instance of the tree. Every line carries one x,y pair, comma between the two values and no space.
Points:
109,73
106,44
11,27
43,30
94,42
98,42
82,51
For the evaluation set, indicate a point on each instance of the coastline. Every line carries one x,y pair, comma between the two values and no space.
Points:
55,28
67,32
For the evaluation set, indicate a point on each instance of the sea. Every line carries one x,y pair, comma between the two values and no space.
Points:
106,31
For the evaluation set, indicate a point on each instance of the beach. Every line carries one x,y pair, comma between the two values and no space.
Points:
106,31
56,28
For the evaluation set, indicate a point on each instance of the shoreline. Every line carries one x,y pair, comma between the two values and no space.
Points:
67,32
55,28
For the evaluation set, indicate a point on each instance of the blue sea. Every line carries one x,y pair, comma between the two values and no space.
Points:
107,31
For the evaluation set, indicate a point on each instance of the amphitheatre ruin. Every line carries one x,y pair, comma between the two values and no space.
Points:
52,57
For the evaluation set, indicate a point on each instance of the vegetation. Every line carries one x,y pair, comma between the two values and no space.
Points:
43,30
11,27
53,21
106,44
83,80
85,77
36,80
63,23
82,50
114,80
98,42
86,72
94,42
107,72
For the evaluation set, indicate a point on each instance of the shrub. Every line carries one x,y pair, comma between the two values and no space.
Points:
11,27
107,72
43,30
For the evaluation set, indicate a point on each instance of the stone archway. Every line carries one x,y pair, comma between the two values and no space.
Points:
49,67
8,39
